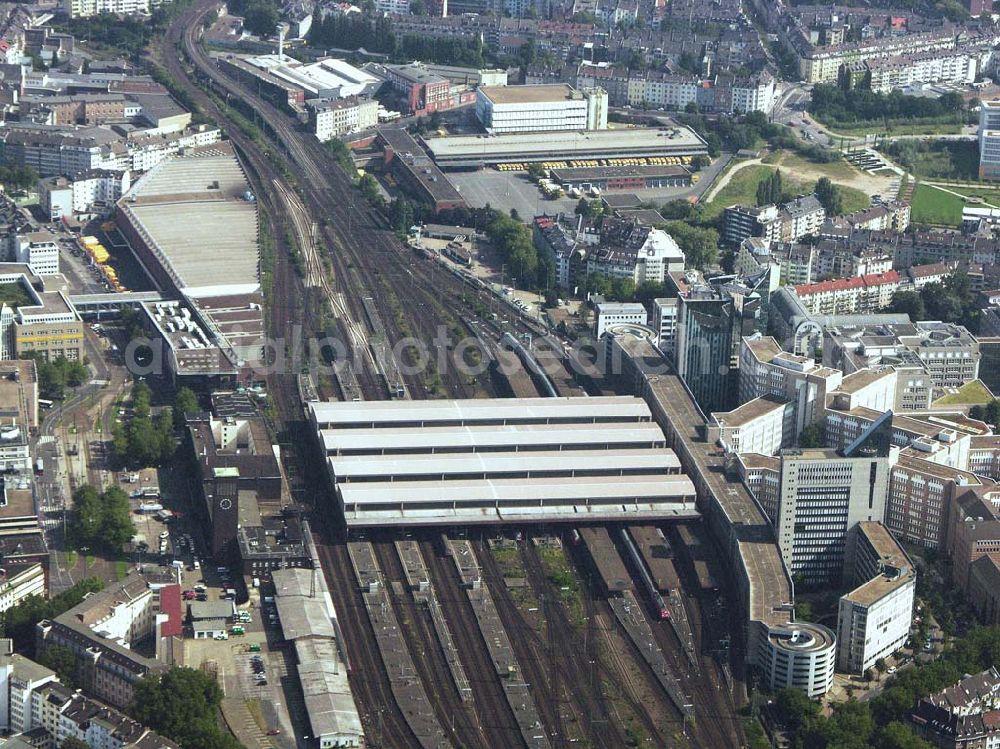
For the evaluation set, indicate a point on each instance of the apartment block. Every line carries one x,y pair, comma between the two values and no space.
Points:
849,296
331,118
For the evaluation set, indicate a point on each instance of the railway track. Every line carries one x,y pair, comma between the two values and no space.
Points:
355,236
587,701
426,652
495,717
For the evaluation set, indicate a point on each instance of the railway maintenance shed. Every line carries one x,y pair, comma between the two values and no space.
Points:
499,461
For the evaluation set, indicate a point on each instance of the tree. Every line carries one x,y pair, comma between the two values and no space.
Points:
185,402
182,704
812,436
909,303
261,18
100,521
676,210
794,709
700,245
535,171
829,197
589,209
61,660
896,735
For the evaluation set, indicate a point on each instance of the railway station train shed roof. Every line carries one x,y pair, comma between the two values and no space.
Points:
500,461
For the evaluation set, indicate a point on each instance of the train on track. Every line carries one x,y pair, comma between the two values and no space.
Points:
659,607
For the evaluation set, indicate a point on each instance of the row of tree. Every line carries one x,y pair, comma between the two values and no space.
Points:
832,104
375,34
100,521
512,239
143,440
770,190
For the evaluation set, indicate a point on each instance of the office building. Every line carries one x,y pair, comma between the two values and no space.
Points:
823,493
763,426
766,370
541,108
48,326
607,314
873,620
39,250
665,323
712,319
989,140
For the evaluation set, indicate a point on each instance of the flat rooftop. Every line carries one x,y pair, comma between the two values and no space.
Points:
898,570
768,586
537,94
749,411
192,211
466,149
472,438
555,462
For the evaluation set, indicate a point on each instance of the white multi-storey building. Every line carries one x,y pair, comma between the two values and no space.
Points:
19,677
39,250
546,107
665,323
823,494
762,426
331,118
766,370
873,620
756,94
989,140
87,8
609,314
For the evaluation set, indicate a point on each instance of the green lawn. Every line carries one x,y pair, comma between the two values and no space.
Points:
970,394
985,193
933,206
742,189
121,569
